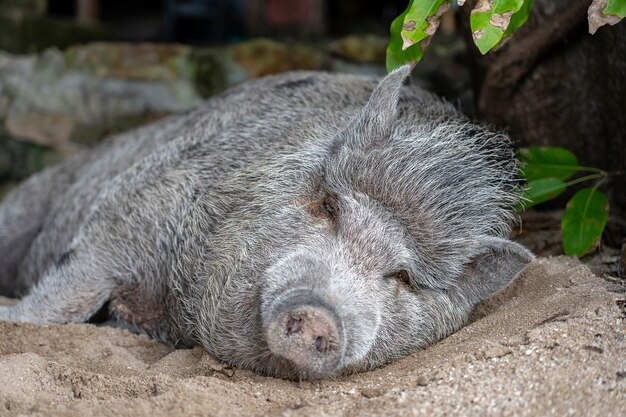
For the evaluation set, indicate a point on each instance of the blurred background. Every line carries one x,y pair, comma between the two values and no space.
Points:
73,72
190,21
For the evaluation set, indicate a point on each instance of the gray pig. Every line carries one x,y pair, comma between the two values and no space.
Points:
289,225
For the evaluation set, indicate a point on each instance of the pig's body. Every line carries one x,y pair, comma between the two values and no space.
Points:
286,226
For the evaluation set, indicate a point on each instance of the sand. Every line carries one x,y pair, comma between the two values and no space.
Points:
552,344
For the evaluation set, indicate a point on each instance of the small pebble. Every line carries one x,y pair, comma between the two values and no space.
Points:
372,392
422,381
496,352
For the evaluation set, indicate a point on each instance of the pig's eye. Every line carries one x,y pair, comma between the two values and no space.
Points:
402,276
327,208
330,208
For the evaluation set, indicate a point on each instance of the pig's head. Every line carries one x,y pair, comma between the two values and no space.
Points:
396,236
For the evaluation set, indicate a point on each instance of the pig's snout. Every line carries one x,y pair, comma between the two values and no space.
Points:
307,333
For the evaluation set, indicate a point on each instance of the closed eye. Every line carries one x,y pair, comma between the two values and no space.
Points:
325,208
402,276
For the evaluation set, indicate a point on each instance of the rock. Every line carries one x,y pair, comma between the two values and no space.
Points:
223,370
261,57
42,128
126,61
372,392
90,91
422,381
496,352
81,96
55,102
13,70
361,49
209,72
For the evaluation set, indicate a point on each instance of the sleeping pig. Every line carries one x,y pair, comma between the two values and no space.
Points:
302,225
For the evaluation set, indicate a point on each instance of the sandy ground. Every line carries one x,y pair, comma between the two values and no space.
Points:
551,345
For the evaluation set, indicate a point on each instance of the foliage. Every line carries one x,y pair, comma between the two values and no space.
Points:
616,7
546,171
412,30
491,22
583,221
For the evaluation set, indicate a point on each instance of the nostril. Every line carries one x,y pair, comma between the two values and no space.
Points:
294,325
310,329
307,336
321,344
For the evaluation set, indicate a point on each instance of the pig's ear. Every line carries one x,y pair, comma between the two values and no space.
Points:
376,118
381,109
495,264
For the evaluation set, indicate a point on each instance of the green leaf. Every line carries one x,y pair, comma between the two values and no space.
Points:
421,20
396,56
518,18
411,31
541,190
491,18
616,7
583,221
548,162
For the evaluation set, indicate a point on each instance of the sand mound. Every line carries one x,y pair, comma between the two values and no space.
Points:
551,344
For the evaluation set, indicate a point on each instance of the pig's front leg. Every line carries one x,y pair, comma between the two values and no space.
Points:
71,291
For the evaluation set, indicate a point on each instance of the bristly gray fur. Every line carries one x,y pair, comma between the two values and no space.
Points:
194,226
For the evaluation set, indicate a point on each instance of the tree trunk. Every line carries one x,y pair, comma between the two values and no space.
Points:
554,84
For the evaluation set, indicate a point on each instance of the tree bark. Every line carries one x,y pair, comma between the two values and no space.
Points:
554,84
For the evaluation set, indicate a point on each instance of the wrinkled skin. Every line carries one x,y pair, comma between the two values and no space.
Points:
301,226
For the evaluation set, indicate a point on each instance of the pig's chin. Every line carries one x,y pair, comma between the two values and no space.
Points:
280,367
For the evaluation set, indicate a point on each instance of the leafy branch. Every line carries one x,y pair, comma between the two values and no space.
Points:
491,22
548,172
